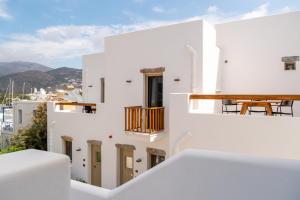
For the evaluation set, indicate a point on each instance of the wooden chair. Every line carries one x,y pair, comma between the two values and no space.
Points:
251,110
226,103
285,104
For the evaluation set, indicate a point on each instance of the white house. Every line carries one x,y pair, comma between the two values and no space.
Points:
129,122
23,112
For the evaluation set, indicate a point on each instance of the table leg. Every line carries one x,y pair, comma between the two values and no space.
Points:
269,109
244,109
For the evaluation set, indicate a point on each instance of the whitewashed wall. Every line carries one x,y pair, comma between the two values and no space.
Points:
93,70
125,55
34,175
254,49
27,108
83,127
207,175
252,135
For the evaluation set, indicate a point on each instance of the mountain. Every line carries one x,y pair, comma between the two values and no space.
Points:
54,78
15,67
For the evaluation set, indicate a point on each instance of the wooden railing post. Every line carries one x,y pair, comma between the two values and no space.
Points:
145,120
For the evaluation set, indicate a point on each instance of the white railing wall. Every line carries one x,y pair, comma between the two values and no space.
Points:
271,136
192,175
34,175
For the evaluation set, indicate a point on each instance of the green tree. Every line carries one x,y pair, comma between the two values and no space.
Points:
35,135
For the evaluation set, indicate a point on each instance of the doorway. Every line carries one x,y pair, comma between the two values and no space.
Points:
126,162
154,90
96,164
155,157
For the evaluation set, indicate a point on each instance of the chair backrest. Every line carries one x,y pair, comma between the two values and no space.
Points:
227,102
286,103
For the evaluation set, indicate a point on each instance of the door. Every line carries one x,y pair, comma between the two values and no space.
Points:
154,91
126,164
96,164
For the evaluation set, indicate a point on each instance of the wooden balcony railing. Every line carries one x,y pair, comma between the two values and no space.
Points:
144,120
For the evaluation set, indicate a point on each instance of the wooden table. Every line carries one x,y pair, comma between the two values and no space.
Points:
265,104
249,100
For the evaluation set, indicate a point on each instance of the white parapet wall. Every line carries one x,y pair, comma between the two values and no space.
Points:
34,175
207,175
192,175
270,136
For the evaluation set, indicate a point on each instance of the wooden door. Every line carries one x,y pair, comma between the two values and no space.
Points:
96,164
126,165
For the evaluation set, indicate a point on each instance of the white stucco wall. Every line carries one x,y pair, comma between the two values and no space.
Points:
27,108
34,175
207,175
192,174
124,57
254,49
276,137
93,69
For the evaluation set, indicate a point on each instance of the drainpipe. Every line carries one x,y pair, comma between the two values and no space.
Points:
193,53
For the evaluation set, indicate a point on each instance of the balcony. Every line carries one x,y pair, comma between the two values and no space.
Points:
144,120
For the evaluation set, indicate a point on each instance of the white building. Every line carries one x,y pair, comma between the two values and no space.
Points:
131,122
23,113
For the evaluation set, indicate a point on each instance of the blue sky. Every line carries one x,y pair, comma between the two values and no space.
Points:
58,32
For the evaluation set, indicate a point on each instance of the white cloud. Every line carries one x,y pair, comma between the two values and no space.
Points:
66,43
162,10
260,11
212,9
4,14
158,9
63,42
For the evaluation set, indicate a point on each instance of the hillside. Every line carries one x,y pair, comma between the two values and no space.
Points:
55,78
15,67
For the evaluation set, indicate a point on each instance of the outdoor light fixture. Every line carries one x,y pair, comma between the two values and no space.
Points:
138,160
176,79
128,81
79,149
90,86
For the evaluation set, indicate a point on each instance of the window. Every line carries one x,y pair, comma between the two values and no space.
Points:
20,116
102,90
34,113
68,149
155,157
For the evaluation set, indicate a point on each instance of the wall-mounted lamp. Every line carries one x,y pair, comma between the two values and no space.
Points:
79,149
110,136
226,61
90,86
176,79
128,81
138,160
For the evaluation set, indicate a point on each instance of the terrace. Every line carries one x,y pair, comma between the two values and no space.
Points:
271,104
255,134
